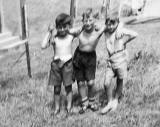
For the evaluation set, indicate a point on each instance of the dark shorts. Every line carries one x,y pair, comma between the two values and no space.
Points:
84,65
61,72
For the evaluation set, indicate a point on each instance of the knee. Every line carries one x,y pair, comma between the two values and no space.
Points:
81,83
68,89
91,83
57,90
107,83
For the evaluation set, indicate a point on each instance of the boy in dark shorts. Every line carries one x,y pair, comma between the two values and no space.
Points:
116,39
61,66
84,61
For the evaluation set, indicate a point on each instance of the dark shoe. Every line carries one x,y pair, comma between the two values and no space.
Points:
120,98
84,106
83,109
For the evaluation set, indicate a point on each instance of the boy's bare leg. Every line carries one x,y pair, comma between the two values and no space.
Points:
91,95
69,97
57,90
119,88
82,90
83,93
112,102
91,89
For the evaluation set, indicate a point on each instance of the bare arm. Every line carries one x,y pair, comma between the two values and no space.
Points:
49,36
101,31
48,39
75,31
129,35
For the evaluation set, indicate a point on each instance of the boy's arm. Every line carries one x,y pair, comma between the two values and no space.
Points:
129,35
48,39
101,30
75,31
49,36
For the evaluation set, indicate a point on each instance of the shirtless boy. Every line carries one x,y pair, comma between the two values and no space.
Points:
116,39
61,66
84,61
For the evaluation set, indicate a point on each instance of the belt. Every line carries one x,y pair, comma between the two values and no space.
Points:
83,52
62,63
116,52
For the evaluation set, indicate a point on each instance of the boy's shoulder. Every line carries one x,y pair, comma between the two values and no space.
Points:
67,37
99,26
120,27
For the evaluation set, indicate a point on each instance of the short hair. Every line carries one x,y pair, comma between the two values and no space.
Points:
88,13
112,19
62,19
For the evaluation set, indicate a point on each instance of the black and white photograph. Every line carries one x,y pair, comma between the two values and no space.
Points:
79,63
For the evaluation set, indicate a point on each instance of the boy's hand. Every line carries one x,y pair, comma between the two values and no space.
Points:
50,27
119,35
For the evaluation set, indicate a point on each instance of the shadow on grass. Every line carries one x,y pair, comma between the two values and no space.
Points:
40,75
101,100
12,82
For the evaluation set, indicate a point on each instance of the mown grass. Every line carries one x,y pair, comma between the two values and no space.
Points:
27,102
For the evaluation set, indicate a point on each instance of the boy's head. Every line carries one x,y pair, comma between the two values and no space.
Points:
111,24
63,22
112,19
88,19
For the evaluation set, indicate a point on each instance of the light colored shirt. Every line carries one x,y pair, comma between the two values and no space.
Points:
63,48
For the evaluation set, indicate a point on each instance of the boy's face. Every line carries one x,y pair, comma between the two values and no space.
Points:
111,25
62,29
88,23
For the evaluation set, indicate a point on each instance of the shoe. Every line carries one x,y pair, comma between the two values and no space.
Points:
56,112
83,109
69,112
120,98
94,107
114,104
111,106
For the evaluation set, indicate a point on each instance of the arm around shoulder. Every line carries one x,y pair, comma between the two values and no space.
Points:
101,30
75,31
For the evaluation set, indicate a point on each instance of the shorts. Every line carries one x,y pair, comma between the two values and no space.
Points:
117,66
61,72
84,65
120,72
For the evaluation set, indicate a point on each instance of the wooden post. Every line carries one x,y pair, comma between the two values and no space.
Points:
24,30
107,8
73,10
1,16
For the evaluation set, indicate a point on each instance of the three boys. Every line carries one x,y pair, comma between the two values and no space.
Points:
84,61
